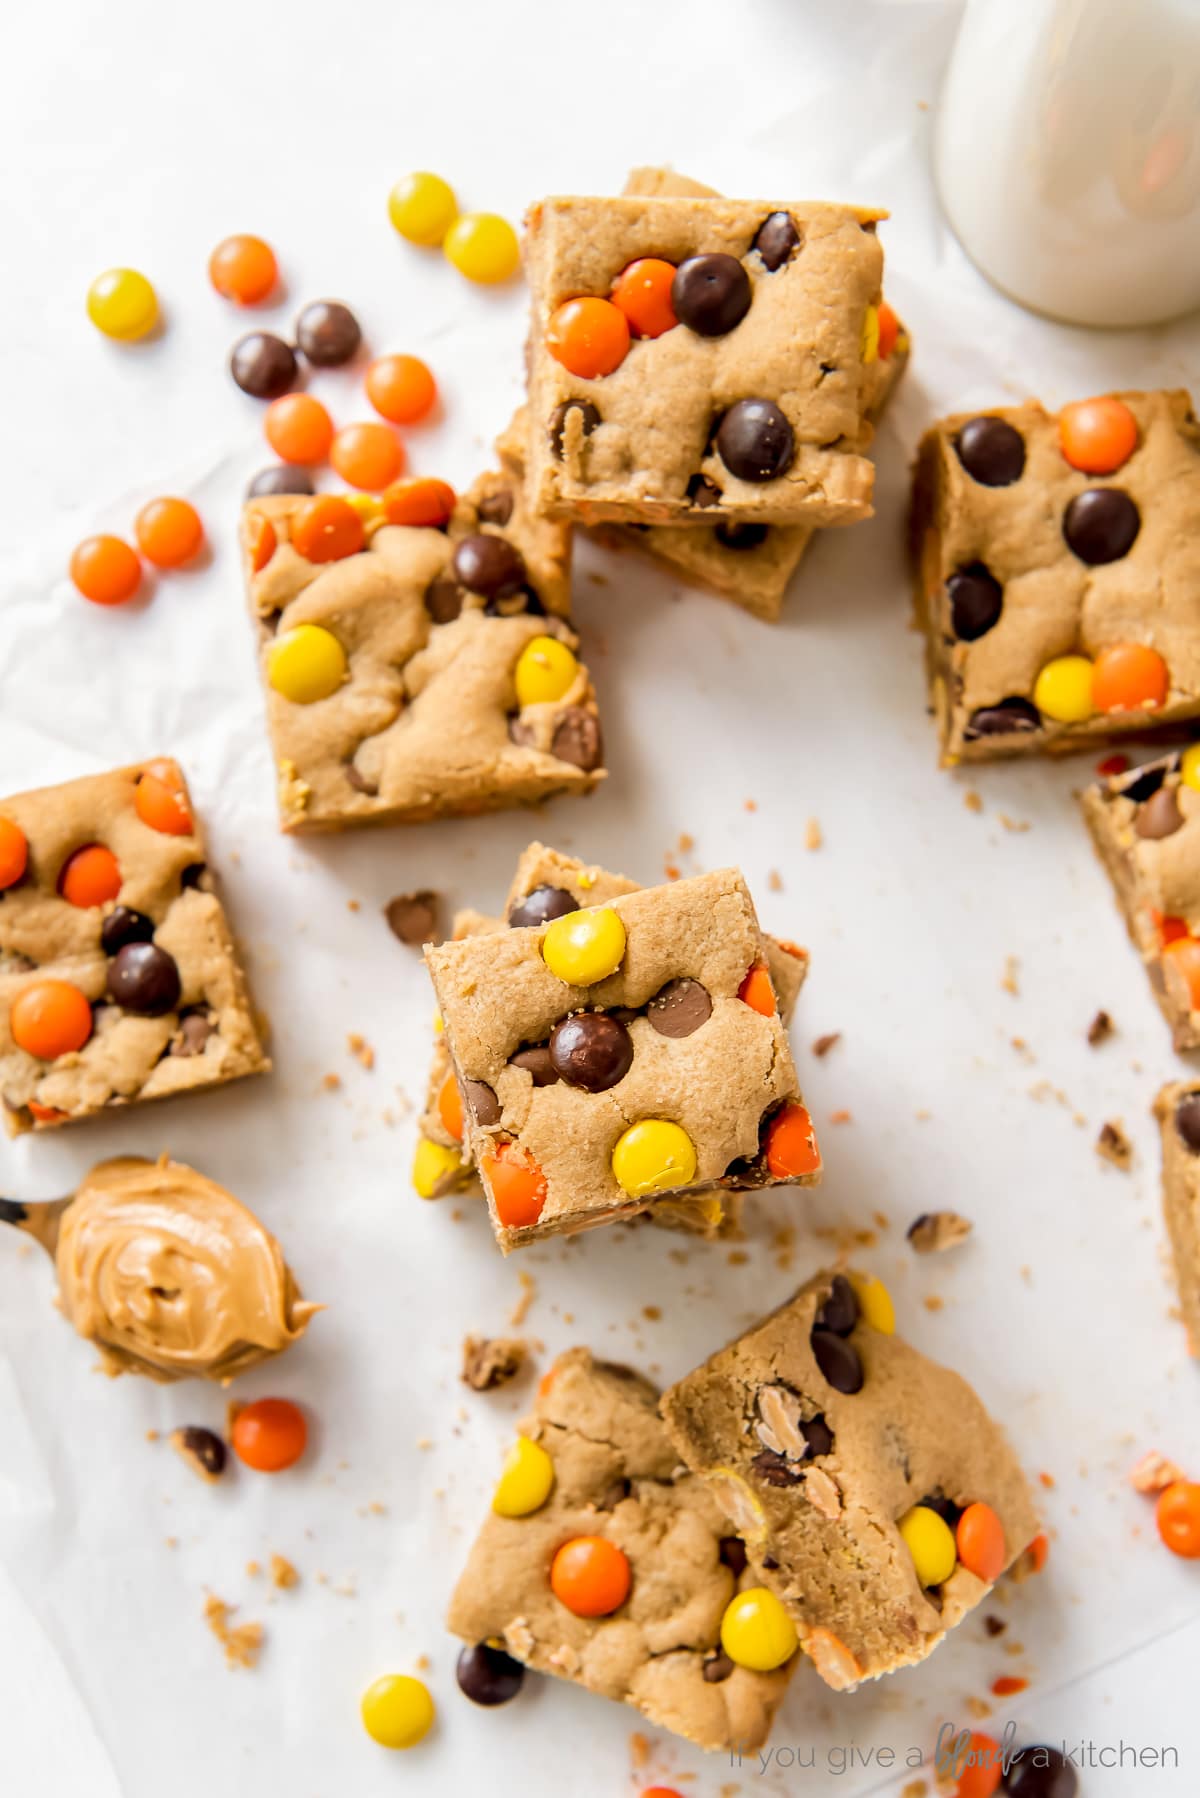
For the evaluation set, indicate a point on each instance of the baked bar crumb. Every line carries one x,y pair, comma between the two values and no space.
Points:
936,1231
413,917
242,1642
1114,1145
491,1361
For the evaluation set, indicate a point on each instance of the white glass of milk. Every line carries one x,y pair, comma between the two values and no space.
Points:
1067,154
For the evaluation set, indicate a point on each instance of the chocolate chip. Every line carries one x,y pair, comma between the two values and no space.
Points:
817,1433
1139,785
776,238
444,599
144,979
838,1361
702,492
995,1626
413,917
12,1211
589,418
945,1507
1007,718
496,508
839,1312
1040,1772
489,566
733,535
263,365
770,1563
754,440
711,294
328,333
776,1469
991,451
679,1008
732,1552
617,1491
124,925
362,783
577,739
716,1668
523,603
195,1028
280,479
487,1675
1101,524
1160,816
591,1050
485,1106
541,905
976,602
537,1064
1187,1121
203,1448
195,875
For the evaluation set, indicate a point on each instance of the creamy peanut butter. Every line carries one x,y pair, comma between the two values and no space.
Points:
170,1276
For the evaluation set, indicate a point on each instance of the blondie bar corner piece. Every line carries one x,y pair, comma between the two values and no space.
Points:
594,1510
618,1058
1145,824
1057,573
1177,1109
119,978
742,398
875,1496
417,671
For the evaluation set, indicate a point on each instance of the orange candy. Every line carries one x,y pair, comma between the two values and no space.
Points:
367,456
791,1144
425,502
50,1018
90,877
44,1114
168,532
327,528
757,992
1178,1518
643,293
979,1768
662,1792
589,337
889,330
1184,953
14,853
270,1434
261,540
401,389
591,1576
1169,929
159,802
1097,436
980,1542
298,428
1129,677
106,570
243,269
450,1108
518,1187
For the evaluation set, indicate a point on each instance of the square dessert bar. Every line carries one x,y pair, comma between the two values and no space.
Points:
742,390
593,1508
1178,1111
414,671
1057,564
874,1494
1146,827
119,979
547,883
657,1014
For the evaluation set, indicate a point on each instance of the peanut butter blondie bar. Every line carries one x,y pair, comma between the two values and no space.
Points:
657,1014
605,1562
874,1494
1178,1111
1057,561
417,670
701,359
119,979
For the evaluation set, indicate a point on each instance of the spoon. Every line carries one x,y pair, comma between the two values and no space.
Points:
42,1221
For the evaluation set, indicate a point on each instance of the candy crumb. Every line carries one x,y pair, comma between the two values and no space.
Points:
1008,1685
813,838
242,1642
1113,1145
824,1044
840,1117
936,1231
1100,1029
1154,1473
331,1082
932,1302
361,1050
491,1361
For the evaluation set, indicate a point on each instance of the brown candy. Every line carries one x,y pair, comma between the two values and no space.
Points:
680,1008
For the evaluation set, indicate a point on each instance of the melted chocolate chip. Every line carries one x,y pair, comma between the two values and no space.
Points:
754,440
1187,1121
328,333
711,294
839,1312
732,1552
413,917
1040,1772
1101,525
976,602
537,1064
991,451
733,535
1160,816
679,1008
776,238
496,508
124,925
204,1447
776,1469
817,1433
591,1050
577,739
362,783
487,1675
144,979
589,418
488,565
195,1028
541,905
280,479
1139,785
1007,718
263,365
485,1106
716,1668
195,875
838,1361
444,599
702,492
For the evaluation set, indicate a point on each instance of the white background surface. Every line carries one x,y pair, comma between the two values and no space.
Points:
142,135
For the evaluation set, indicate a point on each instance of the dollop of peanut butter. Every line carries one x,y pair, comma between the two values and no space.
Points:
171,1277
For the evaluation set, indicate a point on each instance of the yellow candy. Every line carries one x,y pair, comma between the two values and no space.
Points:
525,1480
930,1542
584,946
122,304
369,509
435,1168
1189,767
438,1024
422,207
1064,690
652,1156
757,1632
397,1711
545,671
306,664
870,334
483,247
874,1303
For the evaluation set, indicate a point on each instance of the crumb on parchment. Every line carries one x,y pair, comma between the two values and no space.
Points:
825,1043
1008,980
1100,1029
242,1642
1154,1473
283,1574
813,838
361,1050
520,1310
1113,1145
491,1361
936,1231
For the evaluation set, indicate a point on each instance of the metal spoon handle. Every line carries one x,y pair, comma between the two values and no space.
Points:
39,1220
